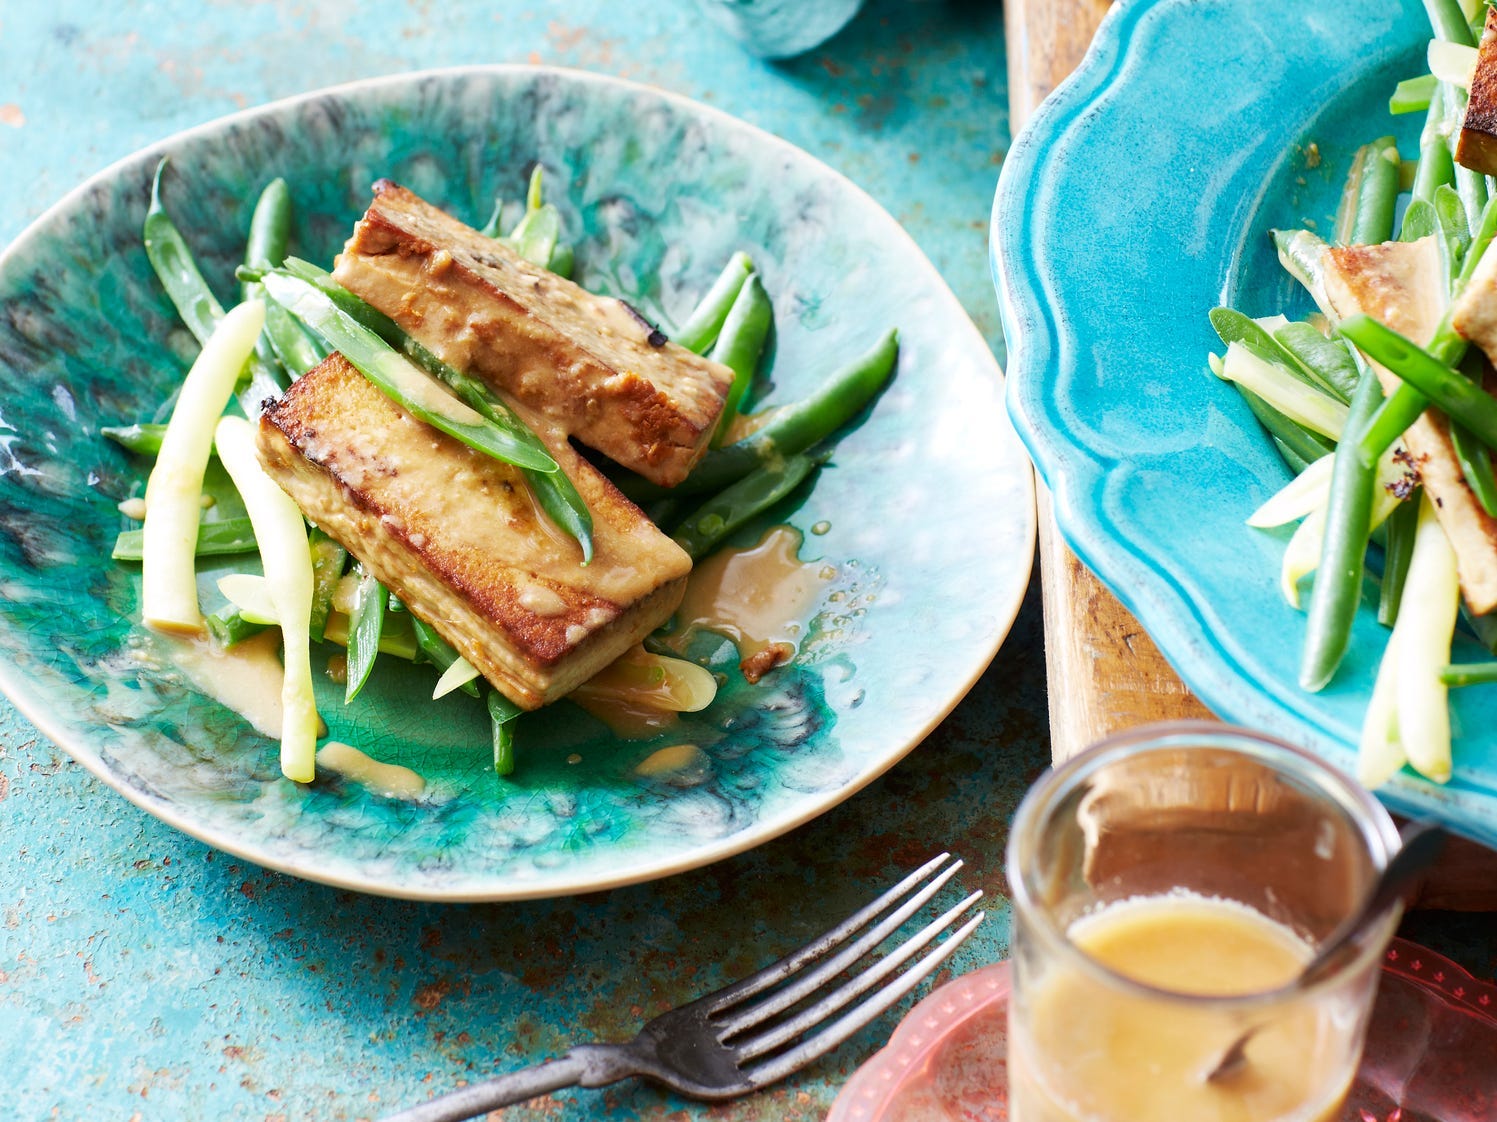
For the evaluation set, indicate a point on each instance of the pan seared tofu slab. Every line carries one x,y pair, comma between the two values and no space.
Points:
458,536
584,362
1476,145
1398,283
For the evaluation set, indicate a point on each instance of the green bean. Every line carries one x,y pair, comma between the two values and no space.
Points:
144,438
270,229
740,344
503,714
394,375
1469,674
328,562
1476,467
1398,548
1463,401
1449,21
1403,407
221,538
1234,327
1328,358
1435,164
1412,94
1473,457
793,428
564,505
167,251
733,506
703,325
200,310
365,622
1338,580
228,626
438,651
282,343
1366,216
1306,445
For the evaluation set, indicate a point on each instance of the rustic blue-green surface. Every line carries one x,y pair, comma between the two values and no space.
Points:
144,974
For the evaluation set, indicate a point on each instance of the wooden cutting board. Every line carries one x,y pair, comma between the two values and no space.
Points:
1104,672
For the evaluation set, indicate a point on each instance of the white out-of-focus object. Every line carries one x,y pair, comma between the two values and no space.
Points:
781,28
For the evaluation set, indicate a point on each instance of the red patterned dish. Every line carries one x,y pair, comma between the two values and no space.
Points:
1431,1051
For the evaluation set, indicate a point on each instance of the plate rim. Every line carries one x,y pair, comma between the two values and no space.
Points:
1072,470
1002,610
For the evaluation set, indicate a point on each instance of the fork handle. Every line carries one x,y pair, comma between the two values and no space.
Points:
516,1087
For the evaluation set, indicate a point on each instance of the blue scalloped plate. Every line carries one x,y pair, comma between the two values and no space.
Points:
656,191
1139,197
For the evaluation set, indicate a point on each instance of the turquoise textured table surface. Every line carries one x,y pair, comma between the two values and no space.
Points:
144,975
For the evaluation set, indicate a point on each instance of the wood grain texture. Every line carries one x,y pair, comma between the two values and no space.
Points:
1104,672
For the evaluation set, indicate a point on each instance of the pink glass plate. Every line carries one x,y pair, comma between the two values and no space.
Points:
1431,1051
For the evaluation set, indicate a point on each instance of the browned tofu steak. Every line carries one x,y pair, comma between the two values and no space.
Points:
458,536
587,363
1476,146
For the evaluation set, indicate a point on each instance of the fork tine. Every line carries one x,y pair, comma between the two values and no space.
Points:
852,989
809,980
849,1023
824,943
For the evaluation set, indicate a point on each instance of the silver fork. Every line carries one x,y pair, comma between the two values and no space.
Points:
758,1030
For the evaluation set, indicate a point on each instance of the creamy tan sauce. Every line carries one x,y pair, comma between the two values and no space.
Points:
639,694
756,597
682,764
390,780
247,677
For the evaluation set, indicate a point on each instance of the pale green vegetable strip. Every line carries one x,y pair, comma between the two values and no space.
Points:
1300,252
169,594
1316,411
1301,555
251,595
459,674
1297,498
1379,752
1426,622
287,560
1452,62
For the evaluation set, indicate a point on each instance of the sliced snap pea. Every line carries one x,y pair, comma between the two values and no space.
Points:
503,713
740,345
365,623
705,322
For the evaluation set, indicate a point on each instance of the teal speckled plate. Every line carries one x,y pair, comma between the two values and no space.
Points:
925,513
1140,197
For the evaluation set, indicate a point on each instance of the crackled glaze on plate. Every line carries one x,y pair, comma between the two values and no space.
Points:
1140,197
926,507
